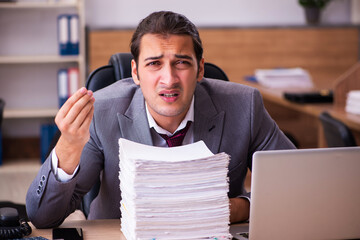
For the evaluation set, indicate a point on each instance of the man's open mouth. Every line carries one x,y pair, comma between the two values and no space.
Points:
169,94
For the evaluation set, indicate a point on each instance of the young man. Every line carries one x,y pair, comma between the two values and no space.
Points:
167,93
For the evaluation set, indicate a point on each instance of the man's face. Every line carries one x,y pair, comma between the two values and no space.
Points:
167,73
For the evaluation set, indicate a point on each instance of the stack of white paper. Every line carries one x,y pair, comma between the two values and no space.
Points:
284,78
173,193
353,102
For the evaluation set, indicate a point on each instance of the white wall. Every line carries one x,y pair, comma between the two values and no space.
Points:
210,13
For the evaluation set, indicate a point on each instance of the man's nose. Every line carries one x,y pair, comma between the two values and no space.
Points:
169,75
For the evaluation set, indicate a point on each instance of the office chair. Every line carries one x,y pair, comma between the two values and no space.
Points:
337,134
2,105
119,67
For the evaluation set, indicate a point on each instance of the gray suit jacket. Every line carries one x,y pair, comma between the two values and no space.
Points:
229,117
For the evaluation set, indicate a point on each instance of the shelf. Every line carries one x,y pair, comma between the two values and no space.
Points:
38,59
39,5
29,65
30,113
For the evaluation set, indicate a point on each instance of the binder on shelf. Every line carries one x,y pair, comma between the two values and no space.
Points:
63,34
73,80
68,83
63,92
47,133
74,34
68,34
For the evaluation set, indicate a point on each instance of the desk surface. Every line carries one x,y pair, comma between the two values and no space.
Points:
276,96
92,230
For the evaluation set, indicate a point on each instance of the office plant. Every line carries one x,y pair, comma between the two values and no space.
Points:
313,9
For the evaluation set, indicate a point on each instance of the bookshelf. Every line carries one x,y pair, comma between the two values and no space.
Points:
29,56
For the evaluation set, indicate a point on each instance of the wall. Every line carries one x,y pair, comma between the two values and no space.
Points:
211,13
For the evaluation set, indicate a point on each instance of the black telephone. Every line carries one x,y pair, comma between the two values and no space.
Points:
11,226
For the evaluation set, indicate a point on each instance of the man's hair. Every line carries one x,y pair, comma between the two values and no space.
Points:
166,23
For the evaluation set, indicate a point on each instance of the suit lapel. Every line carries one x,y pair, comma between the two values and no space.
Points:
208,121
134,125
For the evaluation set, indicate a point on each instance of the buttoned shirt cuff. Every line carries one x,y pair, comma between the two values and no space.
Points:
248,198
60,174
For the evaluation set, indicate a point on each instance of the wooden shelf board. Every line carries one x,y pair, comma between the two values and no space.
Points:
38,59
30,113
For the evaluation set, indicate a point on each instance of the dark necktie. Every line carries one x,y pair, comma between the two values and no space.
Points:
177,138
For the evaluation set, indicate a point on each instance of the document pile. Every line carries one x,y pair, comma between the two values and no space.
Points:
353,102
173,193
284,78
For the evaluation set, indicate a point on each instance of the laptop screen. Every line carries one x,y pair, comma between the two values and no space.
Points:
306,194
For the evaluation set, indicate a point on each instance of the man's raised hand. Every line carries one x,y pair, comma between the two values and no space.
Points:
73,121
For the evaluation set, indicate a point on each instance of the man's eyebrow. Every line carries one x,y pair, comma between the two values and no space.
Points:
154,58
183,56
161,56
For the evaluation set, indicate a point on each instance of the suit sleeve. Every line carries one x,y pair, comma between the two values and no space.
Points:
49,201
265,133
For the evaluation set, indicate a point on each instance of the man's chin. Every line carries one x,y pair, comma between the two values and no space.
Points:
170,111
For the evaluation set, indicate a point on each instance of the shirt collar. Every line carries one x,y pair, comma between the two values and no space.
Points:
188,117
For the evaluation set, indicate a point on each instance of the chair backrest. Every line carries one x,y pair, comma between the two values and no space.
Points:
119,67
337,134
215,72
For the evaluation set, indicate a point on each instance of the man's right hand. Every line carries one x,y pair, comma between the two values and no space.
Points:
73,120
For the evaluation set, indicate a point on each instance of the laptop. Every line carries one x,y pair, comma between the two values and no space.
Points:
304,194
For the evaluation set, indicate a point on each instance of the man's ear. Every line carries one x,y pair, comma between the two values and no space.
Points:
201,70
134,72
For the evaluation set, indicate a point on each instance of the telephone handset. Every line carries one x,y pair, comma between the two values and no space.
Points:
11,226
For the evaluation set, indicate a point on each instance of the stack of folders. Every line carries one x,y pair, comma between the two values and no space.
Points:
68,34
173,193
353,102
284,78
68,83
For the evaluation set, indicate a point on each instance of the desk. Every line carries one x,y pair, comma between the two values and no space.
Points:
302,120
92,229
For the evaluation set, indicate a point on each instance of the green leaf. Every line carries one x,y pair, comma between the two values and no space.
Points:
314,3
